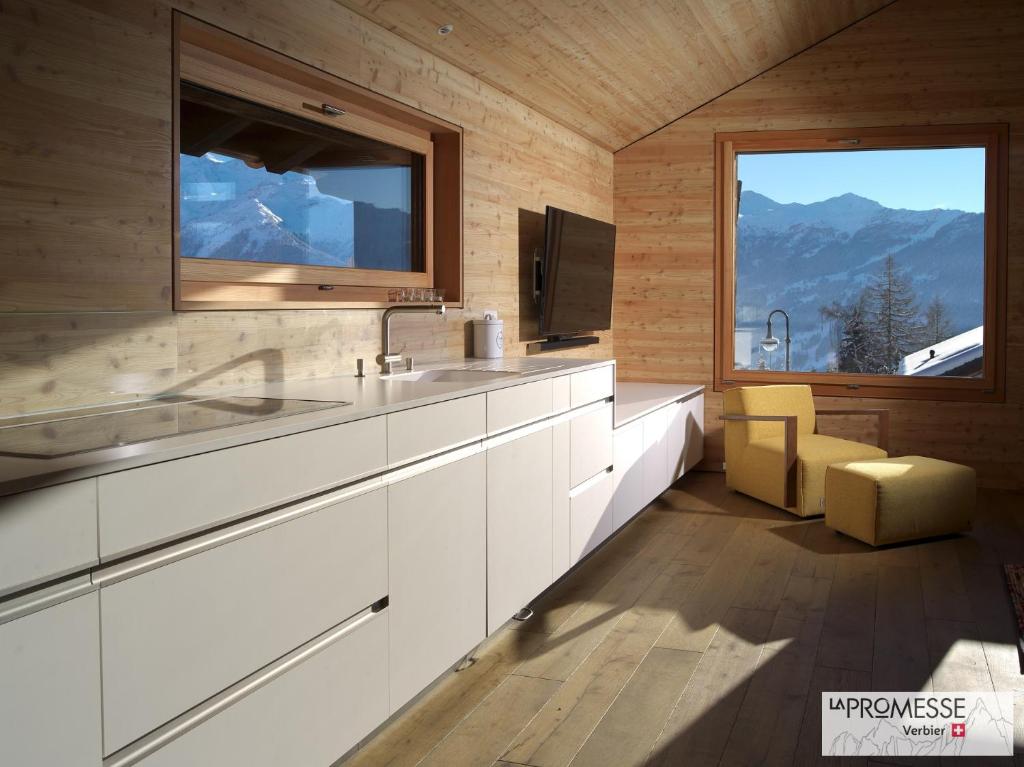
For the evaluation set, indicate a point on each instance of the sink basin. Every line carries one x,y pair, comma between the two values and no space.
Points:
449,376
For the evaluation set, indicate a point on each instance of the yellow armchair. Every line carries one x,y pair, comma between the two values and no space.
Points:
773,451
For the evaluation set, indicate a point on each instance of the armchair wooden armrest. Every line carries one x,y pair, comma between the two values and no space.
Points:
881,413
789,454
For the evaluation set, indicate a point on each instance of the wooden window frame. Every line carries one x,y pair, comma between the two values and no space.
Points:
993,138
212,58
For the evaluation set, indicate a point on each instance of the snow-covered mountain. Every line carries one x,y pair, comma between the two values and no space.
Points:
231,211
802,257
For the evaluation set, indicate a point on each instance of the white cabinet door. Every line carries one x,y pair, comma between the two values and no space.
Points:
561,543
655,459
675,442
310,715
629,496
519,524
684,437
437,572
692,416
591,443
50,687
591,515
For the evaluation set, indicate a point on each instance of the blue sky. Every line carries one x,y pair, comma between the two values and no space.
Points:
919,179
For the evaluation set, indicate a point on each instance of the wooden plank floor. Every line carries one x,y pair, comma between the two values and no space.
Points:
704,633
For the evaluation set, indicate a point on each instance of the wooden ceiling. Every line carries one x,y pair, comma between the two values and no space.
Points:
615,70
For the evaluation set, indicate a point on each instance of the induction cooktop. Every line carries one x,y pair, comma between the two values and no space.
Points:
82,431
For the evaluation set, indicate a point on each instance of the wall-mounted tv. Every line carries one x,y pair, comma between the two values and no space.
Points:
576,285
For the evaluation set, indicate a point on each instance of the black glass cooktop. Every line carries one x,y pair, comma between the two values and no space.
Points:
82,431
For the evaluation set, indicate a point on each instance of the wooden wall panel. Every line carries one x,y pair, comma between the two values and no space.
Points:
610,69
915,62
85,201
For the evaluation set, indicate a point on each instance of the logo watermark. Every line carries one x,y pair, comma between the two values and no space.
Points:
916,724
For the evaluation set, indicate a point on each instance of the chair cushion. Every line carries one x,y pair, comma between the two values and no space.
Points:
899,499
769,400
763,463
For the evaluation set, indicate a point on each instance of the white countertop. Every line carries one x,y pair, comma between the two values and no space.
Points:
635,400
370,396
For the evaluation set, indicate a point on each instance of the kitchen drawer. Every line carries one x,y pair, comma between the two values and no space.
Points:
560,400
50,687
422,431
592,385
47,533
178,634
518,405
310,715
590,443
142,507
591,517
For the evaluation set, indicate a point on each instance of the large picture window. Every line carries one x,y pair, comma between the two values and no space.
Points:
864,262
294,188
260,185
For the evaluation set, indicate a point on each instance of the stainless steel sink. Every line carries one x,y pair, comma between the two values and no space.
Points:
449,376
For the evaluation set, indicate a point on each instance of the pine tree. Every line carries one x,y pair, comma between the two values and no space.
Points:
892,318
851,336
937,324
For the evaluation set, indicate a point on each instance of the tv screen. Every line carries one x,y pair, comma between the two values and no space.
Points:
576,292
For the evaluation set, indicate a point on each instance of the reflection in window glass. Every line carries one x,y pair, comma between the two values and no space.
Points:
876,256
260,185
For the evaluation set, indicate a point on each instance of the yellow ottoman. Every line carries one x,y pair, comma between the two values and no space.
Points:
899,499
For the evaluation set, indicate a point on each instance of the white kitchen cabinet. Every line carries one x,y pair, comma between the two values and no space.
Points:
591,443
629,496
675,442
422,431
684,437
437,572
50,687
560,394
176,635
47,533
308,716
518,405
150,505
655,458
692,417
592,385
591,515
561,532
653,451
519,524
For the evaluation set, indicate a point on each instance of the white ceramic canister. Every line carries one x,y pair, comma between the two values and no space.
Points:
489,336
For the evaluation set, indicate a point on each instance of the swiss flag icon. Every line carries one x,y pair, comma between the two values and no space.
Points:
958,729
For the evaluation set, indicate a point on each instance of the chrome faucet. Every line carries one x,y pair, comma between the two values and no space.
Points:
386,359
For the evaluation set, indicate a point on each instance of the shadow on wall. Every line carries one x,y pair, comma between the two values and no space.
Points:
272,361
531,241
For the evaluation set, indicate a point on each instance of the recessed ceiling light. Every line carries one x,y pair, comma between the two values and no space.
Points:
445,29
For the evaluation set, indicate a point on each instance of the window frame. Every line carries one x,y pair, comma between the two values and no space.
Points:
217,60
992,137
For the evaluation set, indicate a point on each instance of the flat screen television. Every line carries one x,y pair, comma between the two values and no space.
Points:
576,276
